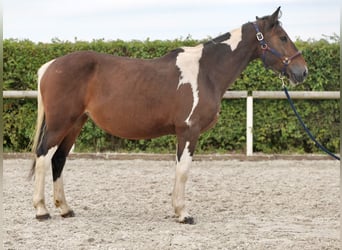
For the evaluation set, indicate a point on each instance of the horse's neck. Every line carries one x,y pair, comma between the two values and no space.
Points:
226,64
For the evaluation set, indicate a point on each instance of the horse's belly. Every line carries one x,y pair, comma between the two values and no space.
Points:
132,126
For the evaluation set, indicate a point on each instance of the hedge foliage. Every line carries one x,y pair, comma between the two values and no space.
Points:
276,129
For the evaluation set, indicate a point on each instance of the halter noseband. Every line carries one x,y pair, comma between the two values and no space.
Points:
264,47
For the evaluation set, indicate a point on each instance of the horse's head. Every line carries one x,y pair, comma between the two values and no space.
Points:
277,50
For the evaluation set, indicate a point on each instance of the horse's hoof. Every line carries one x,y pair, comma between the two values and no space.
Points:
43,217
68,214
188,220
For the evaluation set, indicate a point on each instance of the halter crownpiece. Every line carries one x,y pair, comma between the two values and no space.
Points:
264,47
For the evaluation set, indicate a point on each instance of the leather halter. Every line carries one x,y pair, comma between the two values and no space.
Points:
264,47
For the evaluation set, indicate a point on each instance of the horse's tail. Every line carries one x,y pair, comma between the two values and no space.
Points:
40,126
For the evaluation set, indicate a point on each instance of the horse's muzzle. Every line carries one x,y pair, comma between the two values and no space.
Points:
297,74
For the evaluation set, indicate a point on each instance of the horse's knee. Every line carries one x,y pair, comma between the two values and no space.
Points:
183,164
182,173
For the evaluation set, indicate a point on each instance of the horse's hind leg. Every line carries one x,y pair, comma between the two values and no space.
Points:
41,163
53,147
58,162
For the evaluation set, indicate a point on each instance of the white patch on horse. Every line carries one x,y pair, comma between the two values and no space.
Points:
42,70
42,163
188,64
235,38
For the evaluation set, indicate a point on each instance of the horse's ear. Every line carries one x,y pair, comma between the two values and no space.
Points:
275,17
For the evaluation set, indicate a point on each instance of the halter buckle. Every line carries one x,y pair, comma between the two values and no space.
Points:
286,61
259,36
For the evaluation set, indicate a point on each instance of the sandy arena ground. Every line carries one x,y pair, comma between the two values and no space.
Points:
126,204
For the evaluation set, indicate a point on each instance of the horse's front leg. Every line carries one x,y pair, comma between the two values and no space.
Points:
185,151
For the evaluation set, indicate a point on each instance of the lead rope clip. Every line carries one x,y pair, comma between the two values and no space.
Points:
282,77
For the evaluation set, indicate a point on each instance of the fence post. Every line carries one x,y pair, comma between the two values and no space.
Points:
249,126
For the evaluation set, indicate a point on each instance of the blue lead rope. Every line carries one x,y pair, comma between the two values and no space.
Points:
305,127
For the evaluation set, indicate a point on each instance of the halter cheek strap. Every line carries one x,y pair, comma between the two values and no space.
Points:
264,47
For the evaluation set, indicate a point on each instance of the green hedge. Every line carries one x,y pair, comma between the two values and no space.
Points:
276,130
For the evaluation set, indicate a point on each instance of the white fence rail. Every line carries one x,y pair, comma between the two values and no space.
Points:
315,95
19,94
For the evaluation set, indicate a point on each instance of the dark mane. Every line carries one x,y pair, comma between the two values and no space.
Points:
265,18
219,39
277,23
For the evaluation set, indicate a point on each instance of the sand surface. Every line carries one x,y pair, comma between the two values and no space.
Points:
126,204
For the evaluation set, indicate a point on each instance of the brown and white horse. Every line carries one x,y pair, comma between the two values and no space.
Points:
179,93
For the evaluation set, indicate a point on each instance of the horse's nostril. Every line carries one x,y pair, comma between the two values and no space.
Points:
305,73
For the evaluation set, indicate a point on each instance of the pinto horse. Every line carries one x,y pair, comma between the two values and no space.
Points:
178,93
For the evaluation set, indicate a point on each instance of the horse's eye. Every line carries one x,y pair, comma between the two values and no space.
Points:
283,38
